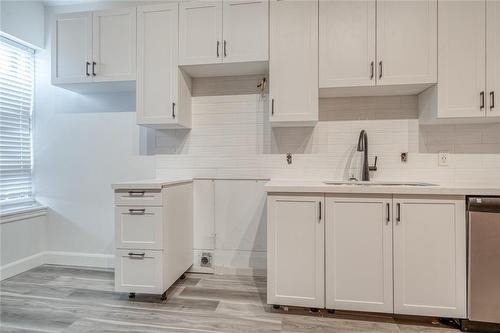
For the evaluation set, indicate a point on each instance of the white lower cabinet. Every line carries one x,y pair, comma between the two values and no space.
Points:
153,237
378,253
139,271
295,240
430,256
358,251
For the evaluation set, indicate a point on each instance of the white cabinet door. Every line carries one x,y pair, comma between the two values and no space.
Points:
430,256
461,58
72,48
406,42
138,227
295,250
346,43
157,59
114,44
358,258
139,271
246,30
293,62
200,32
493,57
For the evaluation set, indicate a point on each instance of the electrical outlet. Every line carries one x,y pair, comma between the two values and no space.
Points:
443,159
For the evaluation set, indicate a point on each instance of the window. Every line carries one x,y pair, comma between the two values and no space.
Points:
16,103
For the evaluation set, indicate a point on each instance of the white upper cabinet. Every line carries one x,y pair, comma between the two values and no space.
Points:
72,48
293,63
430,256
246,31
406,42
462,59
200,32
163,98
213,32
346,43
114,44
493,57
388,44
358,247
295,250
94,46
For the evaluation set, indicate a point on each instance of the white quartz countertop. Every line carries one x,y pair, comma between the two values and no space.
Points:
149,184
302,186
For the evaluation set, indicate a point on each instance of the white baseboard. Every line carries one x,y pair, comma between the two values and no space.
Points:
22,265
79,259
106,261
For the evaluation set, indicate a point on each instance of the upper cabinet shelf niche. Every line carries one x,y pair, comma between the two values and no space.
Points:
377,47
219,38
468,63
97,46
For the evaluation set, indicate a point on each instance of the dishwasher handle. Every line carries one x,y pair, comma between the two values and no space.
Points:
484,204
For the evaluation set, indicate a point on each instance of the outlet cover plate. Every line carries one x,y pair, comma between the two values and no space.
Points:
443,158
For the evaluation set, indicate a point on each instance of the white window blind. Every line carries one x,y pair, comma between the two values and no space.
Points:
16,101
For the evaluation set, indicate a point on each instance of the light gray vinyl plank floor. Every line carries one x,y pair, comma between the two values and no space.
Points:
53,298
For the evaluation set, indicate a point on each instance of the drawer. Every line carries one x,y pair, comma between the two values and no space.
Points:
139,271
138,197
138,227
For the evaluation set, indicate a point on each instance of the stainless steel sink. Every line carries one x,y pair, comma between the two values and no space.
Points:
376,183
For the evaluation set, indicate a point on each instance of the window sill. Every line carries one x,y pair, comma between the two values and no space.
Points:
22,212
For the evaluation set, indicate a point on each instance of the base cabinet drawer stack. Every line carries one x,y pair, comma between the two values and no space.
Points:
153,237
403,254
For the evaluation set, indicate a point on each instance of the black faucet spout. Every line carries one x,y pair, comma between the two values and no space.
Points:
363,146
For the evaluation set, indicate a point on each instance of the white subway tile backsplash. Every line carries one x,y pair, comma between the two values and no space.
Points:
231,138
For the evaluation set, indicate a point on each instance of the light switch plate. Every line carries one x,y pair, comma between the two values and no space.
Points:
443,158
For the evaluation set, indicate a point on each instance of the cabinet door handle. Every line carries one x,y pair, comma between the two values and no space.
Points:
218,48
481,106
135,211
320,217
398,212
136,193
225,53
372,70
173,110
132,254
388,207
93,68
380,67
272,107
87,68
492,100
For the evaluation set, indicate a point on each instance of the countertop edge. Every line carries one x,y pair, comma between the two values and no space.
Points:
373,189
149,184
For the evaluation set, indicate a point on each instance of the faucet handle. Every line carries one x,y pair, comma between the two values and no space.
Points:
373,167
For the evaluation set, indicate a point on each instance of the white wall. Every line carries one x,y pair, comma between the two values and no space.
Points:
23,21
22,244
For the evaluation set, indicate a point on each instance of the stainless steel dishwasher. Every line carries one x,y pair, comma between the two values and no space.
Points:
484,259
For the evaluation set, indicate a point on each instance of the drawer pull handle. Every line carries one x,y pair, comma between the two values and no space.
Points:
136,193
137,211
398,211
388,218
132,254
